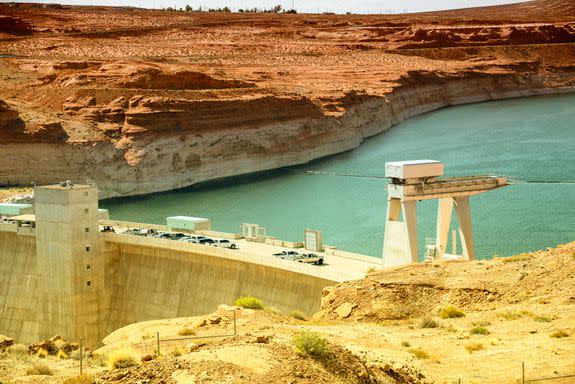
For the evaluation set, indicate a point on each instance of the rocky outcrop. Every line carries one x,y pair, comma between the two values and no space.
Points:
9,118
169,144
160,114
14,130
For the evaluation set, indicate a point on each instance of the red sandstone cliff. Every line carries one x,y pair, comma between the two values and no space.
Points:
187,97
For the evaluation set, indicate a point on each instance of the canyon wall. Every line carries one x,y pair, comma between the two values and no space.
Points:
168,144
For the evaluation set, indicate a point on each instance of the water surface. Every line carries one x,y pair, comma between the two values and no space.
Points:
526,139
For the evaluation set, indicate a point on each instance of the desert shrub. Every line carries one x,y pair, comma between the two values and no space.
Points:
405,344
186,331
122,358
75,354
249,302
450,328
273,310
471,347
477,330
482,323
419,353
177,352
311,344
61,355
18,350
428,323
451,312
297,315
80,379
558,334
41,353
493,341
516,258
369,270
514,315
542,319
39,369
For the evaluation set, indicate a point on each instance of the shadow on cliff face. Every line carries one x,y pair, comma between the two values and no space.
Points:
15,26
14,130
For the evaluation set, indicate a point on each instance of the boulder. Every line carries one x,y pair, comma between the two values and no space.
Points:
5,342
344,310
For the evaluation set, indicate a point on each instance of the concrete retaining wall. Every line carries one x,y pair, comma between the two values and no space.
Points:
147,279
18,286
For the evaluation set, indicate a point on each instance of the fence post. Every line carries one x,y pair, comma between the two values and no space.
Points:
522,372
158,338
81,353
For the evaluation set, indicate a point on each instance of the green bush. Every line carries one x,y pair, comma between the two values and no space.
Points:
450,312
471,347
122,358
419,353
39,369
479,331
514,315
297,315
558,334
186,332
249,302
428,323
311,344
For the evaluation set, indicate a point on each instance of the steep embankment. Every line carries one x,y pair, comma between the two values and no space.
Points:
185,98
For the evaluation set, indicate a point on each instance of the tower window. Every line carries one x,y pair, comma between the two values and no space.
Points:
88,266
87,249
86,211
87,229
88,283
86,193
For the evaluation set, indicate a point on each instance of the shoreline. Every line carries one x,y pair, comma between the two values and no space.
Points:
365,118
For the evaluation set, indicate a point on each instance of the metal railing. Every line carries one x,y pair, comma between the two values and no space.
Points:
159,341
523,380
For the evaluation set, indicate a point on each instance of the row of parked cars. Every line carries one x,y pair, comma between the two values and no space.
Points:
177,236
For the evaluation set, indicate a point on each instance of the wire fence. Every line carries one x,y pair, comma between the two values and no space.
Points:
159,340
523,380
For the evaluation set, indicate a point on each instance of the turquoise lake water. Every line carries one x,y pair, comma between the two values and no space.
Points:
525,139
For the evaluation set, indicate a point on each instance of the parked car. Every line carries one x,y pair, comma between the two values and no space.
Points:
107,228
147,231
193,239
286,254
224,244
308,258
206,241
311,258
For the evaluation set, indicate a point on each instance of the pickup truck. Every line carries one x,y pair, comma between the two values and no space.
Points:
309,258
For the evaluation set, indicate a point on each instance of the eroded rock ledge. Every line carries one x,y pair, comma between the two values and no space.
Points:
167,144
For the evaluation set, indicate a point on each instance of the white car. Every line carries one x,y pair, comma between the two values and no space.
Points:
224,244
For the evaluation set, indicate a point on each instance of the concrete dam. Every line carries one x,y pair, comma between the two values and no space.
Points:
61,275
